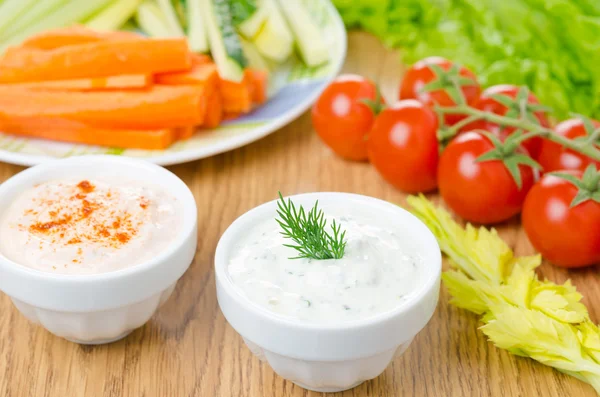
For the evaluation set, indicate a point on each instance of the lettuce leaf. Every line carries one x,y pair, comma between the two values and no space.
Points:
552,46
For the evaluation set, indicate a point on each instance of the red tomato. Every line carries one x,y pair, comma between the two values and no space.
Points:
554,157
488,104
480,192
420,74
566,236
403,146
340,117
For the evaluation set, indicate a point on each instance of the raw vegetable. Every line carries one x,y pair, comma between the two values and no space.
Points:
343,119
196,31
561,216
259,81
11,10
91,84
170,16
157,107
403,147
274,40
242,10
104,58
551,47
528,317
58,129
482,189
32,13
72,35
214,111
224,42
69,13
237,96
152,21
255,60
252,25
436,80
203,72
504,100
307,32
308,231
113,16
554,157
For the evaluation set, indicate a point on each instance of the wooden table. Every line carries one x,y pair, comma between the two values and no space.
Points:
188,349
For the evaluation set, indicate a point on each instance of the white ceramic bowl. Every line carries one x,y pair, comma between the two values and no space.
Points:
99,308
330,357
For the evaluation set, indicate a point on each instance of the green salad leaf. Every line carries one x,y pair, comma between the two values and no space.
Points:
552,46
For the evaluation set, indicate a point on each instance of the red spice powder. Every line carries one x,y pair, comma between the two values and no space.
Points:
107,228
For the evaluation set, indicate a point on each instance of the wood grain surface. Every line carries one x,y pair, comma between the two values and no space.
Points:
188,349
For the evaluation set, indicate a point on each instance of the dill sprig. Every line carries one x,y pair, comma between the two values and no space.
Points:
308,232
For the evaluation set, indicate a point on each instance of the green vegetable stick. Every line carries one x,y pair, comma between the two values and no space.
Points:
196,29
34,13
69,13
170,17
151,20
10,11
113,16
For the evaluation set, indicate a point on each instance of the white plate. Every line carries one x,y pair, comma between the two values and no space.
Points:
293,88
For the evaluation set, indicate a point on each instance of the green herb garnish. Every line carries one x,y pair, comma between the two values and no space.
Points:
308,231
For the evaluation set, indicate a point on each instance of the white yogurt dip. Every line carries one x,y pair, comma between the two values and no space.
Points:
378,272
88,226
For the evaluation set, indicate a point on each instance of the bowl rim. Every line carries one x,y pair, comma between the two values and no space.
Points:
225,281
130,284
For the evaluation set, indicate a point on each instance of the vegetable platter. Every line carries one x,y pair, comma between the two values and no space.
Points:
295,79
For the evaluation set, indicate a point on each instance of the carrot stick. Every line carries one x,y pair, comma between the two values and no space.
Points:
231,116
91,84
203,74
155,107
73,35
214,111
98,59
183,133
259,86
58,129
237,97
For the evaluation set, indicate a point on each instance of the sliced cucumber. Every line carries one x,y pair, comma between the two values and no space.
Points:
113,16
224,42
170,16
196,28
308,34
255,60
150,18
275,40
252,25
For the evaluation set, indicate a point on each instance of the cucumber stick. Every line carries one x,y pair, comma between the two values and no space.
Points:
255,60
10,11
196,27
308,34
225,45
67,14
34,13
275,40
251,26
170,17
113,16
150,18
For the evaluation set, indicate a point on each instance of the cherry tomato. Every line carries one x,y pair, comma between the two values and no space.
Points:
403,146
342,119
566,236
421,73
488,104
554,157
480,192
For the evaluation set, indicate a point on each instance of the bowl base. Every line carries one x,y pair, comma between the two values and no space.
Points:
327,389
101,341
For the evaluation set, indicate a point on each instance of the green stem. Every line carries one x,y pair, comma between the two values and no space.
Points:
452,131
594,137
535,129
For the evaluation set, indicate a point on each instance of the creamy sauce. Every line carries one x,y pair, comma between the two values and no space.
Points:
378,272
88,226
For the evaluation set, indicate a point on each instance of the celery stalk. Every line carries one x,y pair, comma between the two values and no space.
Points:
170,17
69,13
196,29
150,18
113,16
10,10
33,14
